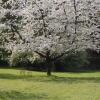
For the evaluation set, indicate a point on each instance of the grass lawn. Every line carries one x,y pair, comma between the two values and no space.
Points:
16,85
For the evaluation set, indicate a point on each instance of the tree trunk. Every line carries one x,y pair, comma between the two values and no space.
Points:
49,68
49,63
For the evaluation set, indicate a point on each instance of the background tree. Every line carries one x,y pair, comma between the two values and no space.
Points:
50,28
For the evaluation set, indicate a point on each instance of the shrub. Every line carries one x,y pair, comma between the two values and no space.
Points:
73,62
22,58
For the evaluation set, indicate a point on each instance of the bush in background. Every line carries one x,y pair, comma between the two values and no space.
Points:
26,60
73,62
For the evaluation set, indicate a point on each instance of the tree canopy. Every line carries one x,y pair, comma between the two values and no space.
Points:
51,28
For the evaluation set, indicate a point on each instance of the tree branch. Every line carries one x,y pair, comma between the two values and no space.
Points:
42,55
61,55
13,28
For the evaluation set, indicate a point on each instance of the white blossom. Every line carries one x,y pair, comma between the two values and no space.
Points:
49,25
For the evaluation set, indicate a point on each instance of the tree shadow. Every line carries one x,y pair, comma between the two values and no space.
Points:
84,71
53,78
12,76
15,95
76,79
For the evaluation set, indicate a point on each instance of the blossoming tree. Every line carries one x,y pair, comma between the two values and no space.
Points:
51,28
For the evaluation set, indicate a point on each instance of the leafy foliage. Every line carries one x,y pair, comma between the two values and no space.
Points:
50,28
73,62
23,58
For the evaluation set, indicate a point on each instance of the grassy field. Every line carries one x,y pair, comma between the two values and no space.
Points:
18,85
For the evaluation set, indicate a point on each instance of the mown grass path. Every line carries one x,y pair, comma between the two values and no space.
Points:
17,85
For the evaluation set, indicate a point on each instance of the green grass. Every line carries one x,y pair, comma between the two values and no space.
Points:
60,86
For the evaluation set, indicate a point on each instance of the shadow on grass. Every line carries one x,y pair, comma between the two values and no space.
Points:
12,76
77,79
43,78
84,71
15,95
